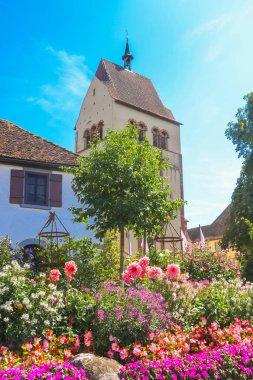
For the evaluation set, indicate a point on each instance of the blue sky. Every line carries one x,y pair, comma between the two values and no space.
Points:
197,52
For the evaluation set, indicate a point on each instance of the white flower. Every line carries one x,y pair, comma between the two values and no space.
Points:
44,304
6,319
4,290
14,280
34,296
46,323
34,321
52,286
26,301
7,306
25,317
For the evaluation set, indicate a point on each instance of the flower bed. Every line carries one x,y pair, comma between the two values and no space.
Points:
231,362
178,325
49,371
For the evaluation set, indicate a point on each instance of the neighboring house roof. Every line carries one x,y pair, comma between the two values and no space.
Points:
20,145
212,231
132,89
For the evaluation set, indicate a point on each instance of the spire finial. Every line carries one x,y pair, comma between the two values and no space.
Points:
127,57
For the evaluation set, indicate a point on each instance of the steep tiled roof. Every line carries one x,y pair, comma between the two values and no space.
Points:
212,231
18,144
132,89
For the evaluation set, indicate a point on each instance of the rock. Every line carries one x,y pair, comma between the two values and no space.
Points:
97,367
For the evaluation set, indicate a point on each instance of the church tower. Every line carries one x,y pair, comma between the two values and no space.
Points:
118,95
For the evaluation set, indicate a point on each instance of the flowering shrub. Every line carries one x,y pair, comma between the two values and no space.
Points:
52,371
49,349
27,306
177,343
31,304
142,270
202,263
127,315
223,301
233,362
178,292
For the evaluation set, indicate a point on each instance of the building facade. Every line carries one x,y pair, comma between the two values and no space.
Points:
32,183
118,95
213,233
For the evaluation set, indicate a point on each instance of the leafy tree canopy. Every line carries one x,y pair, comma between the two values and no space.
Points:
237,233
241,134
118,185
241,131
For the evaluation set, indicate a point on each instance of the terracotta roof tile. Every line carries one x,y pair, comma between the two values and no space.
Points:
212,231
17,143
132,89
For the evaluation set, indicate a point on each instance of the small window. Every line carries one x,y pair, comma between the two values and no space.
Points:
87,138
94,91
36,189
164,140
141,134
156,138
142,128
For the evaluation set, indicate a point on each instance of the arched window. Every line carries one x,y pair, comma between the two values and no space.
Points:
87,138
93,131
164,139
132,121
142,128
100,127
156,137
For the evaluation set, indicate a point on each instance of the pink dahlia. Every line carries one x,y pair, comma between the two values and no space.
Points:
127,278
154,272
55,275
173,271
134,270
144,262
70,268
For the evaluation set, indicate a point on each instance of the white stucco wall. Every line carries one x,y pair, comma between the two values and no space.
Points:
21,223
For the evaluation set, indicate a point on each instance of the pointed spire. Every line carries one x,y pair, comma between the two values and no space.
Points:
127,57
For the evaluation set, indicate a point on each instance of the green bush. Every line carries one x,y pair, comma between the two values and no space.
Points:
223,301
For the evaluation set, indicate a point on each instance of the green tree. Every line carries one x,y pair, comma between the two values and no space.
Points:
118,185
240,133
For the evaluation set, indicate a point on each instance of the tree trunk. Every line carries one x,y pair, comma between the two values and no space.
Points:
122,249
144,243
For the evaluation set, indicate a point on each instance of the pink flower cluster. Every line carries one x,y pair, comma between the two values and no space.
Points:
140,269
70,269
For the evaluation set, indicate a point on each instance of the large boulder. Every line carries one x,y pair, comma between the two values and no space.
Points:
97,367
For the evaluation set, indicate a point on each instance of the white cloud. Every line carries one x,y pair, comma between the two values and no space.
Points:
216,24
62,99
224,31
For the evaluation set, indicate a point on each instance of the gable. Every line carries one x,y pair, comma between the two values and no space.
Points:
132,89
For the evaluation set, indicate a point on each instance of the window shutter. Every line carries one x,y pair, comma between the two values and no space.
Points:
17,186
55,190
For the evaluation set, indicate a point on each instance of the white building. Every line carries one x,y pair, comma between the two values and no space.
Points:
118,95
33,183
